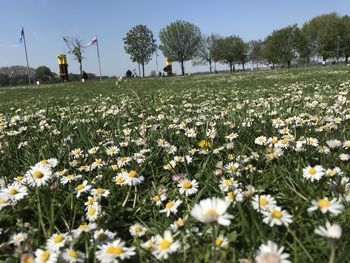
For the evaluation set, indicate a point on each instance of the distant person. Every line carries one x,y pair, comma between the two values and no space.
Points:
128,73
323,63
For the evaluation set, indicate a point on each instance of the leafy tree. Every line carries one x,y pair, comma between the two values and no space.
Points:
76,47
345,39
43,73
180,41
281,45
4,80
322,32
256,51
241,51
230,50
206,51
140,44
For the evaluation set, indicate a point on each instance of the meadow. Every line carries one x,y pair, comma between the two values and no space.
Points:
244,167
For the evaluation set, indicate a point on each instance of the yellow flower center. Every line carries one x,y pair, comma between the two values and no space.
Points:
218,242
180,222
156,198
100,191
204,143
138,229
212,212
312,171
263,201
228,182
84,227
102,237
98,161
38,174
91,211
186,184
80,187
45,255
165,244
44,161
323,203
12,191
132,173
169,204
72,253
277,214
90,201
57,239
2,201
115,250
233,168
19,178
331,173
120,180
70,176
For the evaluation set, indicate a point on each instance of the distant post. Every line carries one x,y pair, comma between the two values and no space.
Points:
22,37
338,37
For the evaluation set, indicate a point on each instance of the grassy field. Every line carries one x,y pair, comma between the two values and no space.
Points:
212,168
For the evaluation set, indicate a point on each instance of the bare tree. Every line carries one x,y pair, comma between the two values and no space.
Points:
205,52
76,48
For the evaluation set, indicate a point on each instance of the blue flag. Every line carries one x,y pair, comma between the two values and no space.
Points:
21,36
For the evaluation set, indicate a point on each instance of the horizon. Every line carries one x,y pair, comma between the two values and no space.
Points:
85,19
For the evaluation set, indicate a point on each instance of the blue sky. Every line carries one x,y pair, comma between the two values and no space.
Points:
47,21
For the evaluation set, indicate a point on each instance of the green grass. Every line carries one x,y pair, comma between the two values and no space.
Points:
54,120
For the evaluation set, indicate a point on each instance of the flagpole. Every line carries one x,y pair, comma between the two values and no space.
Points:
98,55
25,49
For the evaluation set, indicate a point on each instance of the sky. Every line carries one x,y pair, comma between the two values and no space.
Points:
45,22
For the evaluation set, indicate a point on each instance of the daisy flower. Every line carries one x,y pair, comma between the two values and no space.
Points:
276,216
158,198
271,253
45,256
112,251
221,241
188,187
113,150
56,241
261,140
103,235
13,192
83,228
51,163
38,175
325,205
165,245
137,230
263,202
331,231
18,238
178,223
232,167
73,256
132,178
82,188
212,210
171,207
70,178
93,212
227,184
100,192
313,173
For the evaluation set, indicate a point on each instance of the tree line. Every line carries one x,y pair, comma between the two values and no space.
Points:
326,36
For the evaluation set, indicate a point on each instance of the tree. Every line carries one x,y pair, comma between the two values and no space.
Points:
76,47
4,80
180,41
322,33
206,50
241,51
43,73
345,39
256,51
230,50
140,44
281,45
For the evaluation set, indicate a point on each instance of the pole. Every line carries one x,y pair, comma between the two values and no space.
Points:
25,49
157,63
98,55
338,49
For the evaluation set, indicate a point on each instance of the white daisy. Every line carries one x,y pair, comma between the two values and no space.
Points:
132,178
56,241
188,187
276,216
325,205
73,256
104,235
313,173
82,188
263,202
331,231
212,210
38,175
45,256
113,251
13,192
171,207
270,253
137,230
165,245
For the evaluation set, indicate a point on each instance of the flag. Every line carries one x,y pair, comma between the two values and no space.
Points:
93,41
21,36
